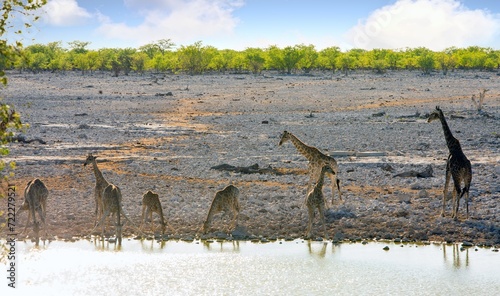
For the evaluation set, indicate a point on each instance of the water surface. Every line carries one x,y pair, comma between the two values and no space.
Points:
246,268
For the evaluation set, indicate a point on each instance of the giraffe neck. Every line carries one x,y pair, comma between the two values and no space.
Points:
305,150
319,184
451,142
99,178
321,180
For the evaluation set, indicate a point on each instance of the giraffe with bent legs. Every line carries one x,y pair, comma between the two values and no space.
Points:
225,200
35,201
151,204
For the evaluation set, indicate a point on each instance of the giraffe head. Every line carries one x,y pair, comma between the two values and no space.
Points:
435,115
327,169
285,136
90,159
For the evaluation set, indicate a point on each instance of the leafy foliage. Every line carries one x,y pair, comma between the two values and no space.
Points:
9,119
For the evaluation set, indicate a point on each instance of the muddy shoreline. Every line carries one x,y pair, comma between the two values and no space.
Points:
166,132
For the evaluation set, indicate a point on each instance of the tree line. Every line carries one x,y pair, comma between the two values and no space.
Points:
163,57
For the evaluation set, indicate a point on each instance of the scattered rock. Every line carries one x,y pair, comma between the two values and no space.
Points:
467,244
168,94
386,167
423,194
426,173
379,114
22,139
253,169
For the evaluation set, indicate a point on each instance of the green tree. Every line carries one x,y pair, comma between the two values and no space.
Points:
254,59
10,120
106,56
37,61
328,58
345,62
78,46
291,58
139,62
80,61
284,60
92,60
195,58
125,59
445,60
239,61
309,57
221,60
425,59
58,58
393,58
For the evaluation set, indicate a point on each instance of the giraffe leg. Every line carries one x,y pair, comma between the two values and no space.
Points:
321,210
28,222
310,222
41,214
142,217
44,211
23,208
101,221
445,191
313,177
151,220
466,189
456,196
235,219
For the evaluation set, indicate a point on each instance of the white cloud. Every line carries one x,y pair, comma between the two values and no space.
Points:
435,24
178,20
65,13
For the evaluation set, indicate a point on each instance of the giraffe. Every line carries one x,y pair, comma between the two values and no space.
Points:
316,200
35,200
457,166
112,204
100,185
317,160
151,203
224,201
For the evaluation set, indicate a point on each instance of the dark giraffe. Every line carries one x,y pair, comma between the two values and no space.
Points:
457,166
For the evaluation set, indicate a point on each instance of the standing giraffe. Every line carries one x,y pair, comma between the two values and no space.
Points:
100,185
112,204
316,162
35,201
457,166
316,200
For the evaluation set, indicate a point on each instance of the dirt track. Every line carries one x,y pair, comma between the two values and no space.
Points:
165,134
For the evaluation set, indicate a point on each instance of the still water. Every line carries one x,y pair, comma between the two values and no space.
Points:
245,268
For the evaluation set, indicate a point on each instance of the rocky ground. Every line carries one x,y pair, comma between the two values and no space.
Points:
166,132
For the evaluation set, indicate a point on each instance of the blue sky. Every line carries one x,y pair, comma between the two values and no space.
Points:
238,24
